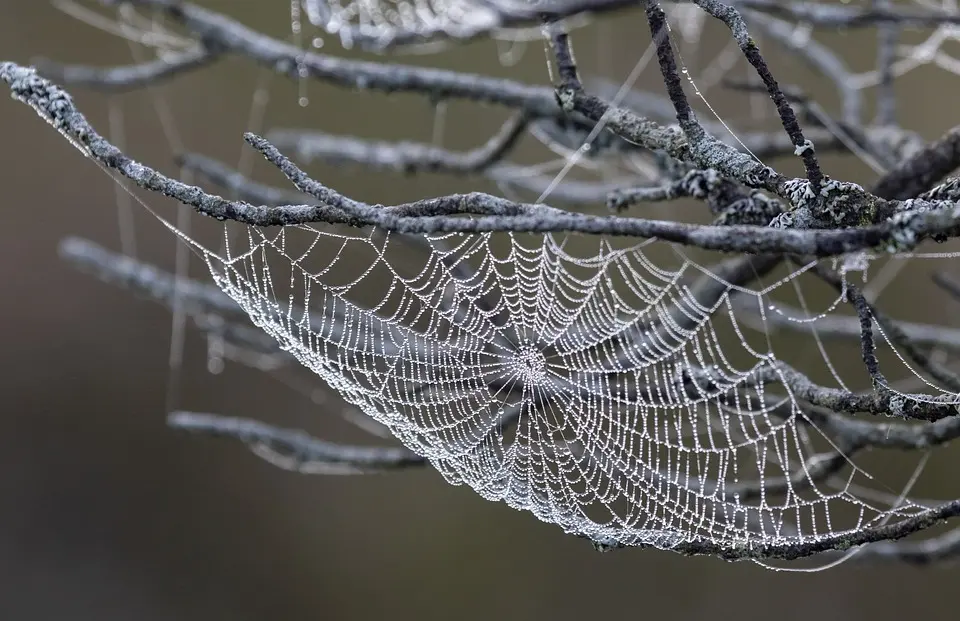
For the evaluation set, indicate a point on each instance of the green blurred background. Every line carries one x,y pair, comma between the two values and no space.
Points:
106,514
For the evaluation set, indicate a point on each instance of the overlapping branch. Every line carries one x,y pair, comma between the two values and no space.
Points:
924,220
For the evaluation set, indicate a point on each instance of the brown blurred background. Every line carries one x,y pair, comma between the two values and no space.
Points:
105,514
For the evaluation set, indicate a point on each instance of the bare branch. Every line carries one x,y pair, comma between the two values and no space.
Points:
405,157
905,230
296,450
129,77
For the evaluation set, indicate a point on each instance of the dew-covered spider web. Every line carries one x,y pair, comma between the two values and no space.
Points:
606,390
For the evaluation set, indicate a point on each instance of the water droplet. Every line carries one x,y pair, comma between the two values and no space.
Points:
215,353
304,102
215,366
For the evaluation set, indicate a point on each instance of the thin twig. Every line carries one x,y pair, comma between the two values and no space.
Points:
296,450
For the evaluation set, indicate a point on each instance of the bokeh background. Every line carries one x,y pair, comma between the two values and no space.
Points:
106,514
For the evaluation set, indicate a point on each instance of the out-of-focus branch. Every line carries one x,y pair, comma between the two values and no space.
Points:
841,15
296,450
406,157
127,77
210,308
946,547
835,326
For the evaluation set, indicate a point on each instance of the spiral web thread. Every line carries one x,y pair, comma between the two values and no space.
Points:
594,389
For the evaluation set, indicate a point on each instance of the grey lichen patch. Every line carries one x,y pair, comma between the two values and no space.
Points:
896,403
949,190
711,153
799,192
801,218
903,237
835,204
868,214
840,200
757,209
700,183
782,221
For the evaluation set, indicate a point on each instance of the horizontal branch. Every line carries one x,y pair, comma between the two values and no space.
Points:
211,310
147,280
922,171
53,104
825,543
884,402
841,15
927,552
237,183
296,450
128,77
836,326
405,157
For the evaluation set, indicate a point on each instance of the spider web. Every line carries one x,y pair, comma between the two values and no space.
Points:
606,392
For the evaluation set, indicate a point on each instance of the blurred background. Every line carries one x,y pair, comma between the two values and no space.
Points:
106,514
